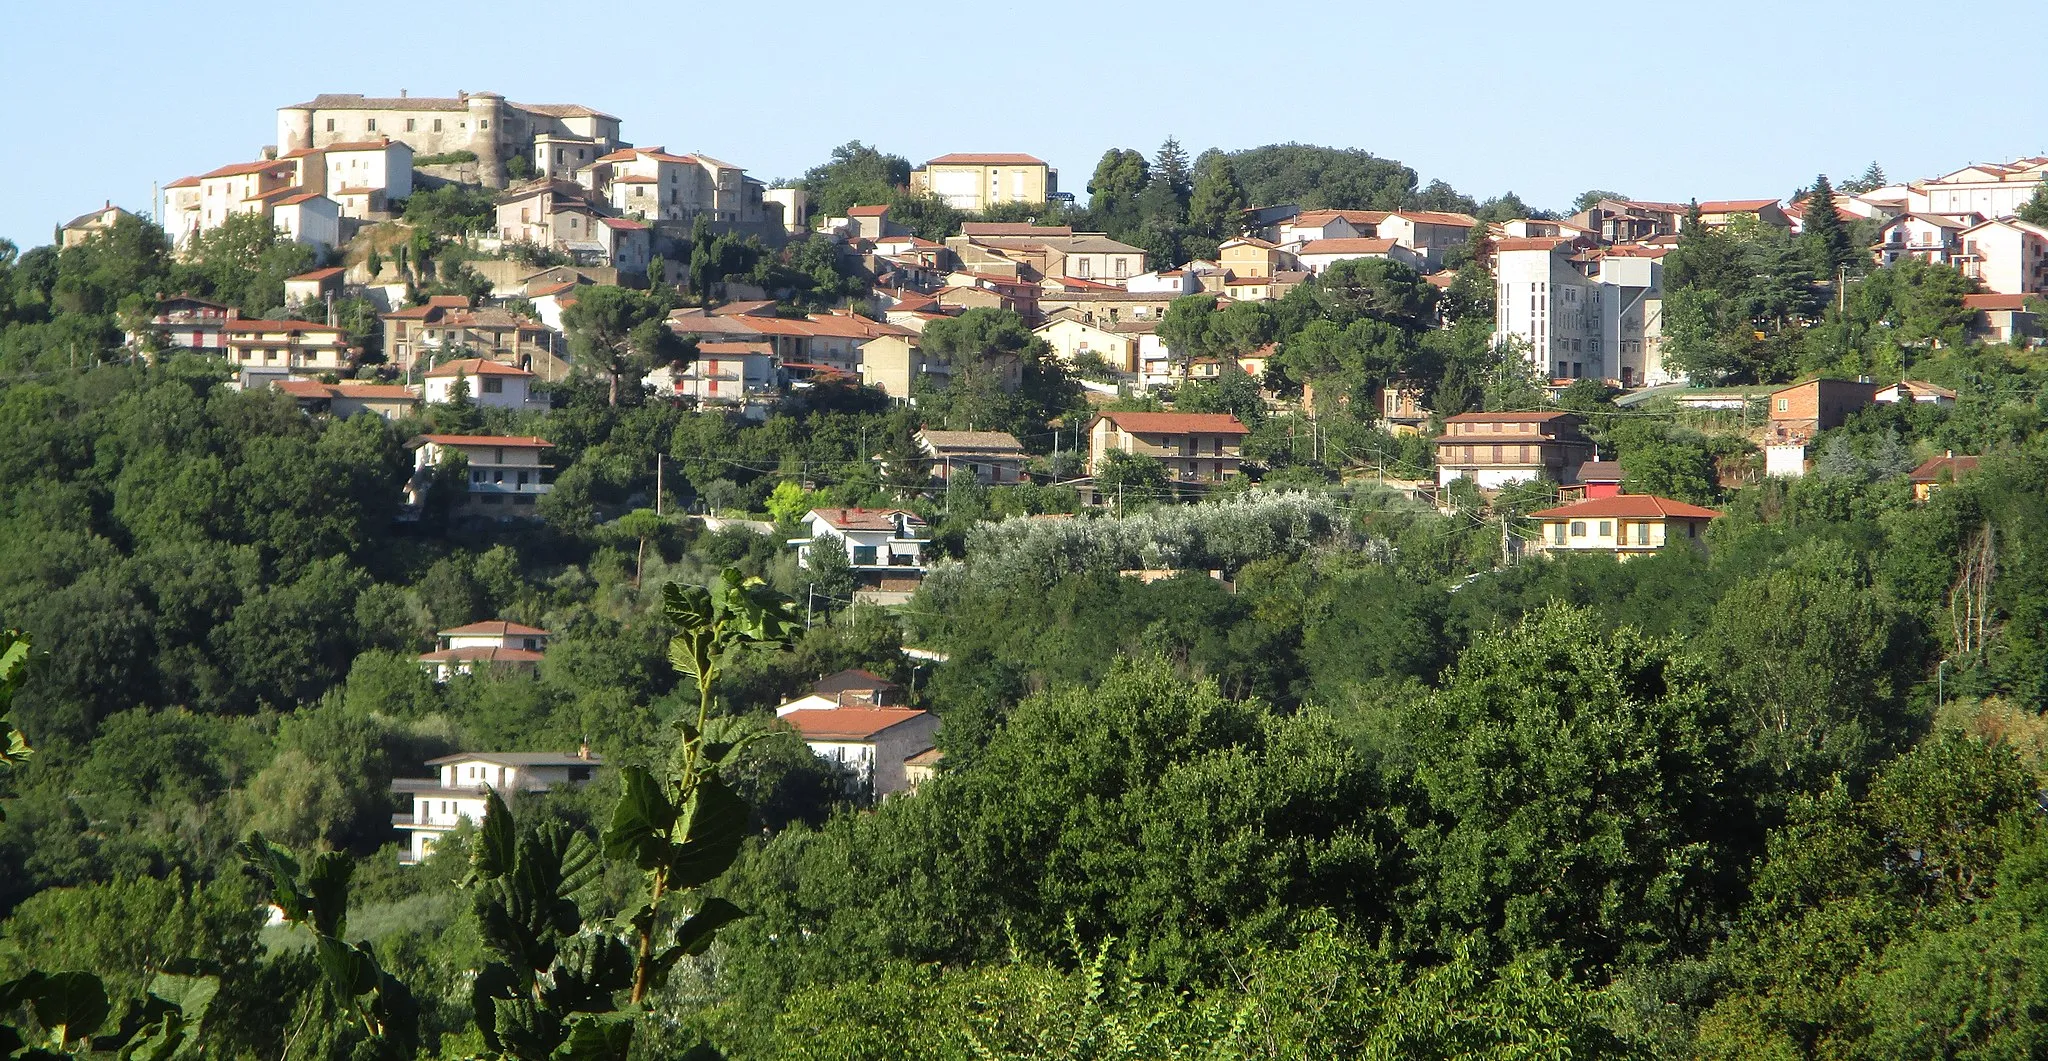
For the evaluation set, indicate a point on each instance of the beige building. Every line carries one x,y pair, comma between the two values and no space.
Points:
2007,256
1247,257
349,397
991,458
447,326
1071,337
1429,233
506,472
1316,256
86,226
1197,447
483,123
975,182
1499,449
893,364
650,184
1625,525
267,351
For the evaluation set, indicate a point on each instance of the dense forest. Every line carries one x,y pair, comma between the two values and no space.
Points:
1349,785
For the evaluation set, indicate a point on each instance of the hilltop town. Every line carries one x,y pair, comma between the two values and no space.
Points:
474,585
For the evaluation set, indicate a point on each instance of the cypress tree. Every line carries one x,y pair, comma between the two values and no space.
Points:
1827,237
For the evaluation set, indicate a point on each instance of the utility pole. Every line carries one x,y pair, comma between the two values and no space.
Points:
1503,539
657,482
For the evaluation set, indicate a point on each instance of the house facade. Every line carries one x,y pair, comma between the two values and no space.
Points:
1499,449
447,326
495,644
350,397
1071,337
1316,256
2008,256
460,790
875,540
2001,318
483,123
871,744
974,182
506,476
491,384
1803,410
1193,447
1626,525
991,458
265,350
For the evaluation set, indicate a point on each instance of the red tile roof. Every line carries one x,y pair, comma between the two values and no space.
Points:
1177,423
251,324
507,441
318,274
848,723
1506,418
495,627
623,225
866,211
1600,472
1436,217
997,159
1984,302
184,182
1627,506
1529,243
243,168
1932,469
1735,206
1346,246
864,518
475,366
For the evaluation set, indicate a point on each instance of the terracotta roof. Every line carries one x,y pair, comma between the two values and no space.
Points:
1627,506
623,225
487,653
734,349
520,758
495,628
184,182
1529,243
551,289
637,178
507,441
1345,246
1984,302
1259,281
1600,472
1012,228
848,723
1507,418
927,757
242,168
1177,423
998,159
863,518
475,366
306,388
379,144
318,274
866,211
1932,469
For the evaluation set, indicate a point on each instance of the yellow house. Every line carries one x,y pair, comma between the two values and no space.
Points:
1625,525
1249,257
975,182
1070,338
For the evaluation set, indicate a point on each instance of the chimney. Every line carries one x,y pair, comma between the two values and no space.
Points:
583,750
401,93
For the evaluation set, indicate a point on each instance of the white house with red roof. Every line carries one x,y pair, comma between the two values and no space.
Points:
722,374
495,643
492,384
1625,525
1932,238
365,176
1193,447
1429,233
1318,255
2001,318
875,540
871,744
505,473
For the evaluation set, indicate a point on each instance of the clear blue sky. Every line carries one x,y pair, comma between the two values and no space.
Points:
1667,101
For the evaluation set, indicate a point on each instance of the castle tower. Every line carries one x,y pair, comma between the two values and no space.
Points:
488,135
294,128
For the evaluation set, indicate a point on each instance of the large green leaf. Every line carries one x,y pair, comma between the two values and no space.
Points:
597,1039
493,982
327,891
708,834
696,933
72,1004
280,871
495,848
193,995
352,970
590,969
642,822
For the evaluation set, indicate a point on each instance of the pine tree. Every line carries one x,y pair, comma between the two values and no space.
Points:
1217,203
1872,179
2035,210
1826,237
1171,167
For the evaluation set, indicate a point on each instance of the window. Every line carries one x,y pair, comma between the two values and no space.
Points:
1606,528
864,554
410,124
330,125
494,385
501,455
485,124
1642,534
1557,534
373,125
1578,528
437,125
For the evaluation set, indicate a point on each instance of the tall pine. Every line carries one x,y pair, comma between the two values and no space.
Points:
1827,238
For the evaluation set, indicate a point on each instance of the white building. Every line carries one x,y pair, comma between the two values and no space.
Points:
492,384
722,373
1931,238
1582,318
1319,254
1993,189
1165,282
875,539
506,474
495,643
2008,256
460,790
366,176
869,743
